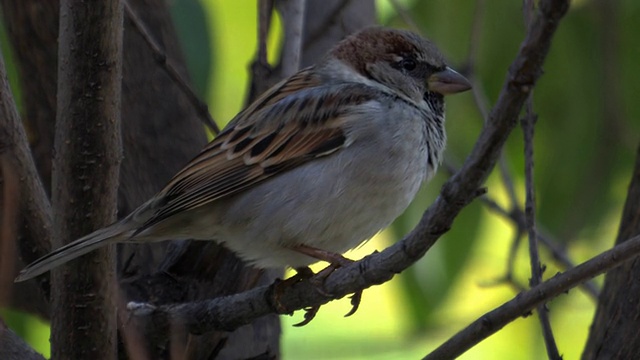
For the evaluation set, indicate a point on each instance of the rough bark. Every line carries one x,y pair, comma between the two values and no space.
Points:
37,23
327,22
32,26
86,165
614,331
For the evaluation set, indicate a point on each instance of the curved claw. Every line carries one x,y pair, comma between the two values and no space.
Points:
309,314
335,261
355,303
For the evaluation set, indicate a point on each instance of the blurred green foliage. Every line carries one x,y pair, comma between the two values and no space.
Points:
585,139
197,43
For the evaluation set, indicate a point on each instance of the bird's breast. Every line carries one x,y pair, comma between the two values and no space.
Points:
333,202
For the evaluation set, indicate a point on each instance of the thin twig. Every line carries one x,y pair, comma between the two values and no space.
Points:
528,124
331,19
264,24
34,201
262,74
293,17
528,128
168,65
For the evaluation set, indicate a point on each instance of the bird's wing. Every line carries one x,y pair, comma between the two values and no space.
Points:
296,121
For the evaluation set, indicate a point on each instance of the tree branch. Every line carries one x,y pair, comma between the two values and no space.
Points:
613,331
34,200
537,268
292,12
169,67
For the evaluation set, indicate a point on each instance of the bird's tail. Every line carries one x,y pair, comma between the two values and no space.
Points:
99,238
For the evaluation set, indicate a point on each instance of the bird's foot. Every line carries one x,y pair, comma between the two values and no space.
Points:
318,280
335,261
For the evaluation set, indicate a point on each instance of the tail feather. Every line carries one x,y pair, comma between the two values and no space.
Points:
99,238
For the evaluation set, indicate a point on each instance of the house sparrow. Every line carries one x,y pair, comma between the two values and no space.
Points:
317,165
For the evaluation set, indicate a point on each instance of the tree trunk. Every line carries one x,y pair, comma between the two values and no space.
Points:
614,332
86,165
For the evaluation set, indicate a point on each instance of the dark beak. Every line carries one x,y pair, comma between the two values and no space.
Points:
448,81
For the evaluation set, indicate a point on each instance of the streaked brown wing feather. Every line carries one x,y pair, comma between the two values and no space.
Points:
291,131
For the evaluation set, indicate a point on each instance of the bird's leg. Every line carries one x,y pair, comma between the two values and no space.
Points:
335,261
253,278
302,273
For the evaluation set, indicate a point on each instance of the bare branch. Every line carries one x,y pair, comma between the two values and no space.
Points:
528,124
293,16
168,65
528,127
264,24
329,21
34,201
262,75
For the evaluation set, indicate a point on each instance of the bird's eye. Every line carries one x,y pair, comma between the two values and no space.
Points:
408,64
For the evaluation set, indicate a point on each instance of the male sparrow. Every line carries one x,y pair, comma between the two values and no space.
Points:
318,164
